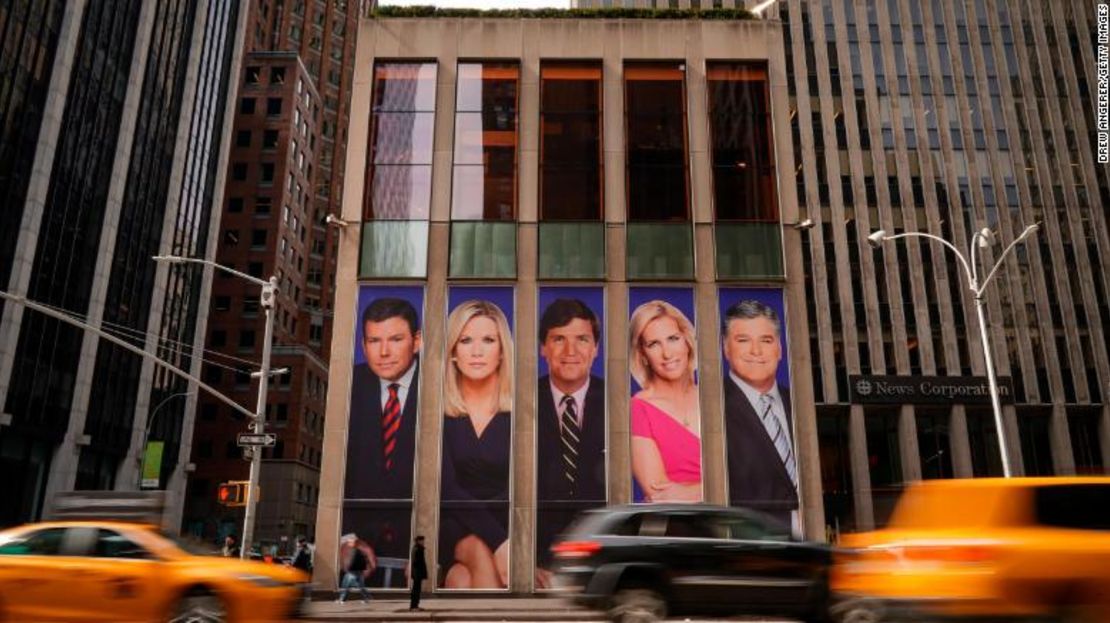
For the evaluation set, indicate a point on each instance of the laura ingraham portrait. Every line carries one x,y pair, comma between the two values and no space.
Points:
665,418
477,439
759,424
381,442
570,414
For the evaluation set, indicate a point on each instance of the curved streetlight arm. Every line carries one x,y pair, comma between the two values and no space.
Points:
959,256
177,259
1029,231
153,414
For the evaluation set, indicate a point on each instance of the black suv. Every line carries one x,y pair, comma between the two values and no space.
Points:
646,562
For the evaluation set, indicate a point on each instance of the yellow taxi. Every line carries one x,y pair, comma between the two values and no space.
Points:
1011,549
123,571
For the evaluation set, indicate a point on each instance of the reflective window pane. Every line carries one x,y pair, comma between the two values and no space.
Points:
405,87
400,191
749,251
402,138
483,250
398,177
570,149
740,135
394,249
484,180
572,250
660,251
656,142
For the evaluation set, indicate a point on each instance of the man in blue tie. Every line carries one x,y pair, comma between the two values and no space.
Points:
762,464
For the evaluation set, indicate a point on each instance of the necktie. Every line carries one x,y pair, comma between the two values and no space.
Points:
779,437
571,433
391,423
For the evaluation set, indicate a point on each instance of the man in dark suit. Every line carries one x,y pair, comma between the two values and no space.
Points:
570,423
382,435
418,572
384,392
762,464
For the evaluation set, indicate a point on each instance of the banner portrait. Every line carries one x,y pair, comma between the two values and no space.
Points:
759,424
571,429
381,439
665,418
477,439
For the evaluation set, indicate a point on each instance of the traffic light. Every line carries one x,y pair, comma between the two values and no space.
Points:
232,493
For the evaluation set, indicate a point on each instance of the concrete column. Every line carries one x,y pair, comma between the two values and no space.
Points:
63,469
37,187
710,381
1063,458
958,443
617,382
430,425
907,444
861,473
522,550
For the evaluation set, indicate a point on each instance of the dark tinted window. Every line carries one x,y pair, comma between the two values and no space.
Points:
655,132
1080,507
39,543
111,544
692,526
628,526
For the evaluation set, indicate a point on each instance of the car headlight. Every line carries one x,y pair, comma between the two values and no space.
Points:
261,580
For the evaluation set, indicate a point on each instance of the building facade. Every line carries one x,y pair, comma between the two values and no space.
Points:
289,130
114,126
558,231
945,118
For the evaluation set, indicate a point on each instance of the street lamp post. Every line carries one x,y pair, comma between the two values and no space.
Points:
982,239
266,300
146,432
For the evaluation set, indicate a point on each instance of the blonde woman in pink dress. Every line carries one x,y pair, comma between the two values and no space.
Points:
666,423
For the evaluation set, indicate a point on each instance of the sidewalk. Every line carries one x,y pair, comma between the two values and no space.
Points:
396,608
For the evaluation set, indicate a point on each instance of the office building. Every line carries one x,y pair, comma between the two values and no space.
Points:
114,117
284,177
520,179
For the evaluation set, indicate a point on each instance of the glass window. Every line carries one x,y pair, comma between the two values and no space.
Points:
1076,507
740,136
269,139
111,544
660,251
749,250
486,135
273,106
46,542
246,106
933,443
483,250
394,249
399,178
571,167
572,250
655,118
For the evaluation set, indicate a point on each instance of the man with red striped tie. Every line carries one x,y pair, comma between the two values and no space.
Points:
382,435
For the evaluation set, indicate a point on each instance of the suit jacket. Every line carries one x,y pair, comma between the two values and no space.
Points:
551,483
757,477
418,565
366,473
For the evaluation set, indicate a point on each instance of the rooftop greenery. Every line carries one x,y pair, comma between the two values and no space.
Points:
600,13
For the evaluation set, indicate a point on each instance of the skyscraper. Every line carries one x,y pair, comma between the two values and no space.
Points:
113,144
284,177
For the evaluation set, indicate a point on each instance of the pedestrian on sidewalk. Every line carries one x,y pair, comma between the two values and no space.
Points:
231,548
418,571
302,558
358,562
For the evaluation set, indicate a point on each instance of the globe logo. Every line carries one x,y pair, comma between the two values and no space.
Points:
863,387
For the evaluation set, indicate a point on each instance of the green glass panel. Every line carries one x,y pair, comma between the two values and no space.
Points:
749,251
660,251
483,249
572,251
394,249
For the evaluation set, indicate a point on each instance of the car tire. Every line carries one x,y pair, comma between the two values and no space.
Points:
858,611
638,605
199,607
